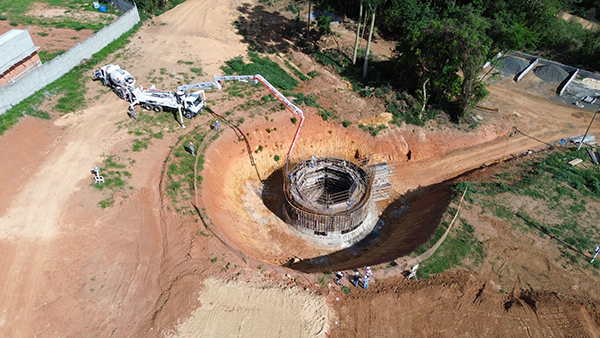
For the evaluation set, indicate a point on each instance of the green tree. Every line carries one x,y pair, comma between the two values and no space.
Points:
435,55
402,17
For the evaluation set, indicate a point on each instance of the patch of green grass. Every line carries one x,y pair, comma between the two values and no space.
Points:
332,59
311,100
113,180
296,72
46,56
372,129
197,71
346,290
547,182
181,62
180,170
322,280
40,114
107,202
460,246
202,233
270,70
504,212
139,144
326,114
439,232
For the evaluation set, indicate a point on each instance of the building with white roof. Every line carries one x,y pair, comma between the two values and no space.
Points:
18,55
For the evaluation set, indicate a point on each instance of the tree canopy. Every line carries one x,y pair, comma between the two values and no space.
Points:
442,44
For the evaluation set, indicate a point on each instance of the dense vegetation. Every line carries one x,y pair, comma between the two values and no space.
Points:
437,40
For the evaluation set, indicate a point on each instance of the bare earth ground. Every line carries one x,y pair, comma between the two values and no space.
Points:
138,268
52,39
58,39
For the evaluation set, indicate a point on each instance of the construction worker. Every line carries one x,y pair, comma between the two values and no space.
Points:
217,124
339,278
192,149
366,282
356,279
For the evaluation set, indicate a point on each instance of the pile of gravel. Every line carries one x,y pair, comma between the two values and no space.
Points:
551,73
512,65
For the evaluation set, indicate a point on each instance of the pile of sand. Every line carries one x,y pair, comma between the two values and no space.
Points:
512,65
551,73
237,309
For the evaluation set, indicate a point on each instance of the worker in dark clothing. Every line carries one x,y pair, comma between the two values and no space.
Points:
356,279
339,278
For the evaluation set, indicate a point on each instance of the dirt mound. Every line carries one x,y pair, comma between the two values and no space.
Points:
512,65
551,73
260,303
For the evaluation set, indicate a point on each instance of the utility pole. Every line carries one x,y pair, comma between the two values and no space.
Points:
588,129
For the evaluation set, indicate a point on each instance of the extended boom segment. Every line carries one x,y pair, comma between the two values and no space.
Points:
256,78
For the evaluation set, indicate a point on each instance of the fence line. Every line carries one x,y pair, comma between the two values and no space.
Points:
47,73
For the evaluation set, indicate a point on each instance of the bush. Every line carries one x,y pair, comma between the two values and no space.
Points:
311,100
292,8
324,25
346,123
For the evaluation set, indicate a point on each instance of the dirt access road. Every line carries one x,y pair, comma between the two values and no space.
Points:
137,268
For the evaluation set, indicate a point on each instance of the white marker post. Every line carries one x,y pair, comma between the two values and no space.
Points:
413,273
597,249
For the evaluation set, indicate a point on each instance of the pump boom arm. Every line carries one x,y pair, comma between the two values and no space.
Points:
256,78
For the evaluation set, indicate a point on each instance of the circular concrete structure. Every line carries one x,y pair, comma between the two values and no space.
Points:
328,198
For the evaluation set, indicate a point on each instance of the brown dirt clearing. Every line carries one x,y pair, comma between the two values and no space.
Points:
138,268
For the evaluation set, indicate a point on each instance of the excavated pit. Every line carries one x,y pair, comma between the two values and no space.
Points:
319,214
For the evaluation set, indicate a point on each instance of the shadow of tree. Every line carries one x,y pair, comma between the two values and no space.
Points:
266,31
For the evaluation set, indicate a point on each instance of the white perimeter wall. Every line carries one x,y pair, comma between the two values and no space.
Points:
49,72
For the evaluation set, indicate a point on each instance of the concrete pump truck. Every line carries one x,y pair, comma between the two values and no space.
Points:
123,84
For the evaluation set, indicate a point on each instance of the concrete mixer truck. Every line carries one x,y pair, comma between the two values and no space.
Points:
121,82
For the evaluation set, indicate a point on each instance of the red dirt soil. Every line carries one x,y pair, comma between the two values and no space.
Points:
140,269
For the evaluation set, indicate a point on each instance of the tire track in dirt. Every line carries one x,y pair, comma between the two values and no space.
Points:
203,33
32,222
